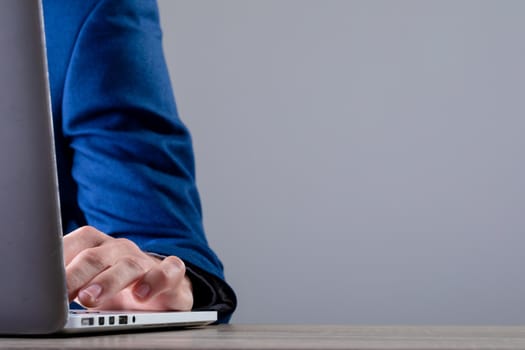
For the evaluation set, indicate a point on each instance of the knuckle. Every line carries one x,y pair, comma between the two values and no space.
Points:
89,230
125,244
175,262
173,274
131,263
85,235
93,258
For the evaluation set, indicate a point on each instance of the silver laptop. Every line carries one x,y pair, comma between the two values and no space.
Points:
33,296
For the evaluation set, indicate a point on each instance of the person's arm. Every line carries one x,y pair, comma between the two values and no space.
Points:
132,156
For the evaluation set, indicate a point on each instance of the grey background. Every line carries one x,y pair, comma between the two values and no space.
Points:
359,161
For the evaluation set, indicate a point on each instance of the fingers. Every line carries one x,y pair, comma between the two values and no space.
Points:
84,267
178,299
103,271
165,286
81,239
115,259
161,277
111,281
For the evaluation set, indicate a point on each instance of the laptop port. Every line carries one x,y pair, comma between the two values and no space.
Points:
111,320
101,320
123,320
87,321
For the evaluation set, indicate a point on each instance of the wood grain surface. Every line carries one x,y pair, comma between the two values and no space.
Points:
290,337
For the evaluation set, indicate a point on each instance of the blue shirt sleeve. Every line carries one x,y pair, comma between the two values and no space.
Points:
131,155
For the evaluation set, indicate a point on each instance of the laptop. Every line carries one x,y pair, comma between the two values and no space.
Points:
33,295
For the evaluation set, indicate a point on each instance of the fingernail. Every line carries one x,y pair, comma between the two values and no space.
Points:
90,293
143,290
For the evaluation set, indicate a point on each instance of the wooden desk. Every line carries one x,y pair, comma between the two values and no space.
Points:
291,337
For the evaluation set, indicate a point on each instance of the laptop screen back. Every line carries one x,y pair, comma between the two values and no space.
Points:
32,286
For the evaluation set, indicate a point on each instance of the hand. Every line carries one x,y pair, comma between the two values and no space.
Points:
109,273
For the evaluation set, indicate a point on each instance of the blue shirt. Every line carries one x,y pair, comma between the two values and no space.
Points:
125,159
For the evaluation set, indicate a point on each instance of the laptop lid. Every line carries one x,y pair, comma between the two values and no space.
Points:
33,294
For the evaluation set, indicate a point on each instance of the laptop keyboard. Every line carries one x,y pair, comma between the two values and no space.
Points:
83,312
